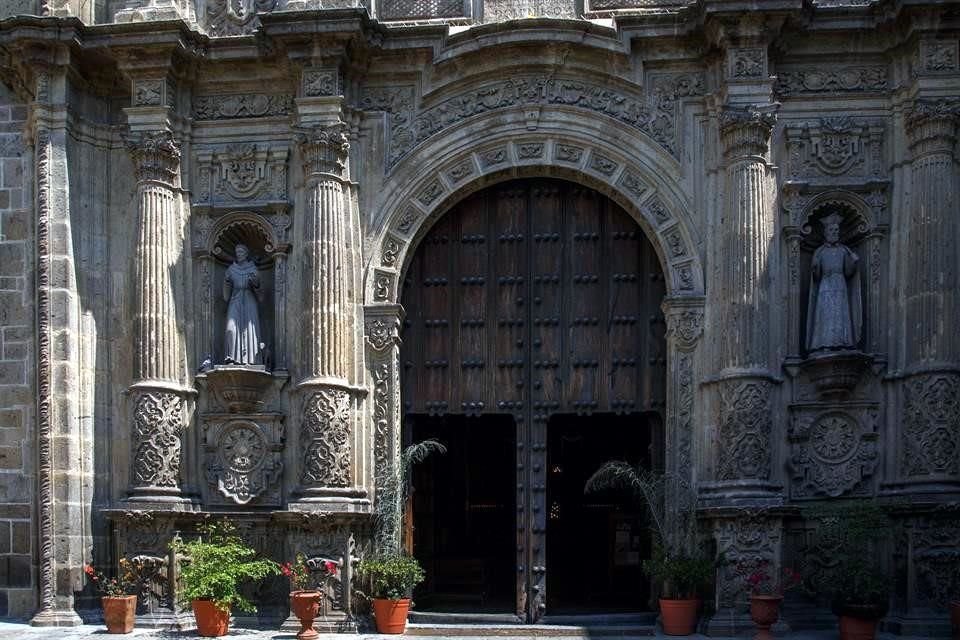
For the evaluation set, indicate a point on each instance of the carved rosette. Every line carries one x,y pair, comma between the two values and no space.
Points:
833,453
159,419
156,156
325,439
744,447
930,440
323,149
245,463
745,132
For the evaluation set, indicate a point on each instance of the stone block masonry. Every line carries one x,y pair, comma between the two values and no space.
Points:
17,372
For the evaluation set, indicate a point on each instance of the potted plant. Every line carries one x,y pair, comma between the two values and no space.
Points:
214,569
305,597
766,591
859,591
676,563
119,598
391,580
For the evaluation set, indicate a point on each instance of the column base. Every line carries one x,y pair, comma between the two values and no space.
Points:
740,493
922,623
56,618
342,499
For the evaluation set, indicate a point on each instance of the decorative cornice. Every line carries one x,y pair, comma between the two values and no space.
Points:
932,126
323,148
745,131
156,156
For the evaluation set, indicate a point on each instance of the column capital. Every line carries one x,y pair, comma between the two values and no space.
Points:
932,126
684,318
745,131
156,156
382,326
323,148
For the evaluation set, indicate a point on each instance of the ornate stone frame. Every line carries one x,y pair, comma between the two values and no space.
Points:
627,168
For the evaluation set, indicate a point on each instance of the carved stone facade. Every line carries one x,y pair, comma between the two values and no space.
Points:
331,137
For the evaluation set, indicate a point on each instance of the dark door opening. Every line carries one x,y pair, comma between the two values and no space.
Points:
464,513
596,542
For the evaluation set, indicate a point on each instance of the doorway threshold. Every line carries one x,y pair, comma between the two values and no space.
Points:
570,627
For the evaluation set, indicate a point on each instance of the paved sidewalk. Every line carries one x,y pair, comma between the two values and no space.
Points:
17,631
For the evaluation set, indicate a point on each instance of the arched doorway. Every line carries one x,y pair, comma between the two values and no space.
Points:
533,347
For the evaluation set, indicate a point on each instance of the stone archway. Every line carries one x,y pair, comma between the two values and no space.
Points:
631,171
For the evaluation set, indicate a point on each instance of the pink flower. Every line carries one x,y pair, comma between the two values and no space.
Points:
330,566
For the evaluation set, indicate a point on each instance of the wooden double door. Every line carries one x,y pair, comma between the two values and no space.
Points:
532,310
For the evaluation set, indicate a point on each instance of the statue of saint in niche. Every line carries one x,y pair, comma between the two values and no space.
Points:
242,338
834,311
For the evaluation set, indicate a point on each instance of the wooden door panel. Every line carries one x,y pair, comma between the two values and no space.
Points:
471,265
626,329
508,213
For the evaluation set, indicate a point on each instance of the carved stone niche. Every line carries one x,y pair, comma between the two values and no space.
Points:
243,459
834,449
215,238
834,371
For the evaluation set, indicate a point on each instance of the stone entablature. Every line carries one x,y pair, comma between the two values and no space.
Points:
330,156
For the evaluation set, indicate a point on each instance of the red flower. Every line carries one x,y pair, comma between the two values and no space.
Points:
88,569
287,569
330,566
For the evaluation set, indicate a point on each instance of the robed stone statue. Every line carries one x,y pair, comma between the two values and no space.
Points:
242,336
834,312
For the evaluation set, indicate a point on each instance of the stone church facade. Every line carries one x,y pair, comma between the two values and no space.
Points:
143,140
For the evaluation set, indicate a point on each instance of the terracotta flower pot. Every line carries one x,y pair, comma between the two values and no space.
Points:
955,618
212,621
305,605
119,613
765,610
679,617
391,615
853,628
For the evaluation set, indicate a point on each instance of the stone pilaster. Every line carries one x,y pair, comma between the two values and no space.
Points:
158,397
929,398
327,470
739,300
382,329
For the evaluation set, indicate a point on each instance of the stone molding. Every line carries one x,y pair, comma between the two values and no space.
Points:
323,149
156,156
745,131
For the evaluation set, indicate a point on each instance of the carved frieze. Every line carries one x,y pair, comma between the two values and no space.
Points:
159,419
319,82
500,10
746,422
242,172
833,450
653,113
930,426
866,79
242,105
325,439
156,156
834,147
747,539
244,459
235,17
747,63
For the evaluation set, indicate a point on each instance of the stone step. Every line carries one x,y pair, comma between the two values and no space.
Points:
462,625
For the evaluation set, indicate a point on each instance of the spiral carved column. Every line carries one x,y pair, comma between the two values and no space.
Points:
327,323
159,399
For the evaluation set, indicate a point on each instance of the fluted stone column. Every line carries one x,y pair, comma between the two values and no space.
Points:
739,300
930,386
327,323
158,396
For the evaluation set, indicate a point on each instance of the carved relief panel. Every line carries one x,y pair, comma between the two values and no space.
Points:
834,449
243,459
241,173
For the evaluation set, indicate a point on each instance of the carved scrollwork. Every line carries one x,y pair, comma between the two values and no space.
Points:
856,79
325,439
244,463
930,440
253,105
158,422
833,453
745,426
685,326
156,156
382,333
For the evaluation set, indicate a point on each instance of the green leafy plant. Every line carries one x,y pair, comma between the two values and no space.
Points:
216,564
392,577
676,563
393,487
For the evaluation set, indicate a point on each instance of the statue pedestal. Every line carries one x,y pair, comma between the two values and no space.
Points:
836,373
241,389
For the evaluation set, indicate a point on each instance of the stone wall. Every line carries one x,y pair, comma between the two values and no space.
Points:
17,373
